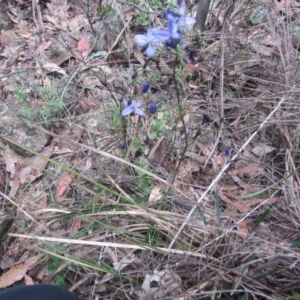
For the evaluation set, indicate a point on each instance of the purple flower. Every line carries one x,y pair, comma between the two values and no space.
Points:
145,87
134,75
125,101
149,41
183,22
177,22
182,131
153,108
123,146
174,34
186,22
170,14
227,151
132,106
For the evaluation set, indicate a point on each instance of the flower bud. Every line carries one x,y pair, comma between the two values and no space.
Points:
145,87
182,130
123,146
227,151
153,108
134,75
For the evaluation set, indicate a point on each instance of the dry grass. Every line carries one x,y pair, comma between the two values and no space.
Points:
173,217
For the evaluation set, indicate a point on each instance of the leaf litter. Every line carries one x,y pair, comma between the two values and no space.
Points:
91,61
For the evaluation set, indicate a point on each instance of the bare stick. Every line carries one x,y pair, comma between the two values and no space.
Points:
219,176
112,245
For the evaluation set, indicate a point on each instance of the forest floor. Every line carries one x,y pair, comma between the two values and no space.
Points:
193,195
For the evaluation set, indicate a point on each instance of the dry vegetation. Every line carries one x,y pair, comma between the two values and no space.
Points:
199,200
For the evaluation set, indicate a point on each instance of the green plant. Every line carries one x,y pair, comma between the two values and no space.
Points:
21,94
135,2
158,125
47,97
116,121
155,76
53,264
143,19
106,10
59,279
137,143
144,181
156,4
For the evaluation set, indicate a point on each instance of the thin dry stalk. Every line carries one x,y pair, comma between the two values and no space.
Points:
222,172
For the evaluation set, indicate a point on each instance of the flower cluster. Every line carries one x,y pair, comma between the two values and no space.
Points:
177,22
133,107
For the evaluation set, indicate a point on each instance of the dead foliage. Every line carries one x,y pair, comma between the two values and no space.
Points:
98,200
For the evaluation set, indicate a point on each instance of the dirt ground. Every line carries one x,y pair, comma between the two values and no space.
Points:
192,195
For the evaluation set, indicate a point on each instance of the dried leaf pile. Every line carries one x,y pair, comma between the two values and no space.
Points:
117,208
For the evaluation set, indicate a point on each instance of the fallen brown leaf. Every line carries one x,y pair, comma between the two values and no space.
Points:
205,148
200,159
83,48
25,34
33,168
155,195
10,161
155,147
8,37
29,170
244,206
43,46
52,67
253,202
16,273
247,187
243,229
63,184
248,171
185,170
91,81
76,225
28,280
190,69
87,103
240,205
77,23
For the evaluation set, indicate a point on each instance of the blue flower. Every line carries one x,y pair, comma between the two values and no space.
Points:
132,107
149,41
145,87
153,108
227,151
174,34
134,75
182,131
183,22
123,146
177,22
170,14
